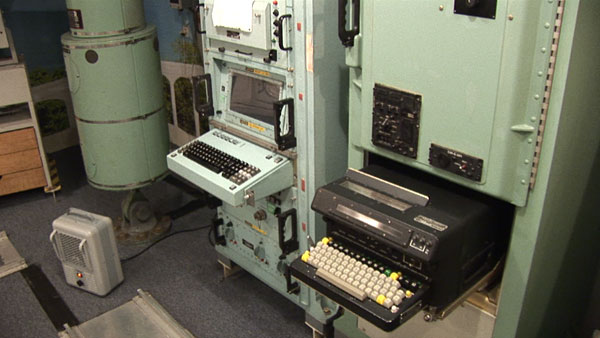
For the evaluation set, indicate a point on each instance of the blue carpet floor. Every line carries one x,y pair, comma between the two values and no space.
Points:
180,272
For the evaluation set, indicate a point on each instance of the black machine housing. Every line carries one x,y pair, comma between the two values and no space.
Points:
444,241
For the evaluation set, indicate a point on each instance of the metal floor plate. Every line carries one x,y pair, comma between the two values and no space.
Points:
143,316
10,260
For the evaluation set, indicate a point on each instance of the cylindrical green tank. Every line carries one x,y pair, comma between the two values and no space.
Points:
116,86
98,18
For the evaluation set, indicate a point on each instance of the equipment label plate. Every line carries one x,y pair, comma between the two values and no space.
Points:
431,223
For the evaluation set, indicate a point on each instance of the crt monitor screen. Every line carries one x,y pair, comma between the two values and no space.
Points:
254,97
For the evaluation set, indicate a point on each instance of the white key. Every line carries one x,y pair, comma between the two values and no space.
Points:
388,303
397,299
355,292
383,290
373,295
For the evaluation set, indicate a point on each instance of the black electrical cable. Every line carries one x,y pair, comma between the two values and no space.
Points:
160,239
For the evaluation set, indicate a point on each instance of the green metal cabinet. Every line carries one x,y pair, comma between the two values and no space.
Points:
518,90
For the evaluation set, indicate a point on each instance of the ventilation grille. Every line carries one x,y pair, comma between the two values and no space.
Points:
69,248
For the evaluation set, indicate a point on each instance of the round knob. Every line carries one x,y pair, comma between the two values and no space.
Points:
260,215
259,252
471,3
229,234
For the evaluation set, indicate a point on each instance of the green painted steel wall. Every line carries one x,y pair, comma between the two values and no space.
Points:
554,251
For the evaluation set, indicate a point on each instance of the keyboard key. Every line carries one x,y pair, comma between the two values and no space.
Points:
347,287
351,273
219,162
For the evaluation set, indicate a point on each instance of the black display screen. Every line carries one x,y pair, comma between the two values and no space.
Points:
254,97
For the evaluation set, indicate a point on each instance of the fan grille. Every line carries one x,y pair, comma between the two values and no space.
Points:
70,250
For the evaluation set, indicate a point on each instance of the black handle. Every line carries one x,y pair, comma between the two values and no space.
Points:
199,19
218,239
291,244
347,36
279,25
203,95
291,287
288,140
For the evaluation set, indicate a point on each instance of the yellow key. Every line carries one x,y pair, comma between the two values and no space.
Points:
305,256
409,294
380,299
394,276
325,240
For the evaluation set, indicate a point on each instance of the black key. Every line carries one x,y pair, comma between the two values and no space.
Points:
203,162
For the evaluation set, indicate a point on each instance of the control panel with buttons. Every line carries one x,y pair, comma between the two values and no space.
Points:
480,8
396,116
456,162
267,40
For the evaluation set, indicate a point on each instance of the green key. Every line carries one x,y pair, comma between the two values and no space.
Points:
387,272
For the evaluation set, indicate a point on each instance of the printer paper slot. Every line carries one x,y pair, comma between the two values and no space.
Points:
234,14
389,188
372,194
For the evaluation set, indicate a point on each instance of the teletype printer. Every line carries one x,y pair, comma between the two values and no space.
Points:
396,244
